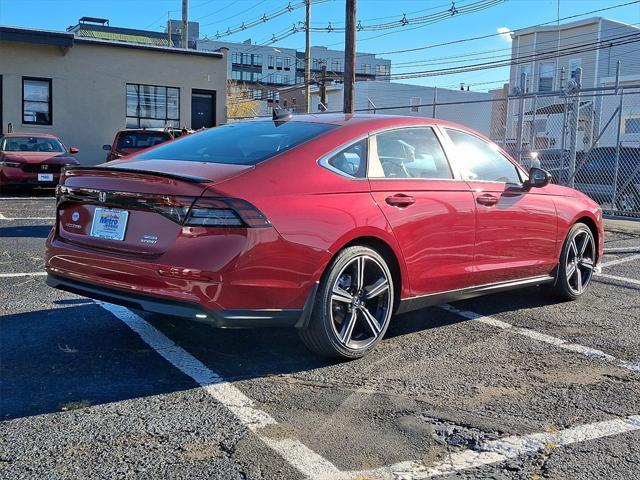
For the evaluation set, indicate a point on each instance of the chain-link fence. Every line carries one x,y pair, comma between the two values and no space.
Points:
589,140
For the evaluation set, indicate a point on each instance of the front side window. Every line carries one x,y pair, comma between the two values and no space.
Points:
36,101
480,160
352,160
410,153
31,144
150,106
228,143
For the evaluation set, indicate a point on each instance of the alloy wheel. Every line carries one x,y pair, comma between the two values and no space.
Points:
360,302
580,261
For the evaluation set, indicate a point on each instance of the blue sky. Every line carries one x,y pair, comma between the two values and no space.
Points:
218,15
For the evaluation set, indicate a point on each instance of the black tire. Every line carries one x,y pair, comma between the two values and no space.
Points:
321,335
566,284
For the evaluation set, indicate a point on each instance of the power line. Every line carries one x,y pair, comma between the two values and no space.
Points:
469,39
614,41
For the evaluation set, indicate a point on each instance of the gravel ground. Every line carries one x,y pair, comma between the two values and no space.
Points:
83,396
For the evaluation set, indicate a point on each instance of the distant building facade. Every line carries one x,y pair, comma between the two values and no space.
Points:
84,89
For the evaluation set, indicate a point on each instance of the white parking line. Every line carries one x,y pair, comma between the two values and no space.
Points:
309,463
498,451
26,274
621,249
543,337
2,217
611,263
619,279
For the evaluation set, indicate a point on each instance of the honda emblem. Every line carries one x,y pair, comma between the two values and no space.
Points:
102,197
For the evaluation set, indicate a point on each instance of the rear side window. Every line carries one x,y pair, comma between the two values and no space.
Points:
352,160
410,153
245,143
140,140
480,160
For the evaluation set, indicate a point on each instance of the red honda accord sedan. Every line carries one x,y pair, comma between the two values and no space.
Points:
327,223
28,159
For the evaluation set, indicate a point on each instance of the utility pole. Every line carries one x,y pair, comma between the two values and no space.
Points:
323,89
349,56
169,42
185,23
307,56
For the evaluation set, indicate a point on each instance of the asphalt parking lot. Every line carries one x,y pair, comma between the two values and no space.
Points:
510,386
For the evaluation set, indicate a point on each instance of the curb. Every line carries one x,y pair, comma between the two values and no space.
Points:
622,226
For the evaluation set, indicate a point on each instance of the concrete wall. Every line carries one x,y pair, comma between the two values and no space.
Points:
89,87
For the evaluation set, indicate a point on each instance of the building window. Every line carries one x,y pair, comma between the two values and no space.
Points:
36,101
270,60
575,64
152,106
382,69
278,63
366,68
525,70
256,93
415,104
287,63
285,79
336,65
545,80
278,78
257,60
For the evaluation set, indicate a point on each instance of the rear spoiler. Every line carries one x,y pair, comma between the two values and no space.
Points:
177,176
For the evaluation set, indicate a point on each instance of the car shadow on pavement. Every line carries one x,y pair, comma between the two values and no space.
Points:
25,231
71,357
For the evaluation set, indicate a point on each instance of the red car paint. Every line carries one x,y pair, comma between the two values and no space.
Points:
446,240
129,141
22,166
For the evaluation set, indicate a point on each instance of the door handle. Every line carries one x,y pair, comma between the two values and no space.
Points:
487,200
400,200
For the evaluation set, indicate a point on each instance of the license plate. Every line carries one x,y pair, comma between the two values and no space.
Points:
109,224
45,177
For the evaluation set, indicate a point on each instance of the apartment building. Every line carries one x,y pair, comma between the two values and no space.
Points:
545,59
269,73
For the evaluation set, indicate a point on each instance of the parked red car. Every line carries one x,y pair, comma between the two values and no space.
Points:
131,141
327,223
28,159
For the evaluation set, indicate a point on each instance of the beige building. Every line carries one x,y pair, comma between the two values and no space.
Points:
84,90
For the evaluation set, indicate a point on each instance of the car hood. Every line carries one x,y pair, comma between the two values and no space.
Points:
39,157
214,172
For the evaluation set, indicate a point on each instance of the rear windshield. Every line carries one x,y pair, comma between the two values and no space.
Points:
140,140
244,143
31,144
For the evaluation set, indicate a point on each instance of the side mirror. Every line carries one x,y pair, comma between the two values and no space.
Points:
74,150
538,178
106,147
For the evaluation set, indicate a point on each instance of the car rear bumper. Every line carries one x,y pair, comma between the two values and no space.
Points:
218,318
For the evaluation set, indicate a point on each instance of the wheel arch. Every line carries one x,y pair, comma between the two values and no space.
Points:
389,251
593,226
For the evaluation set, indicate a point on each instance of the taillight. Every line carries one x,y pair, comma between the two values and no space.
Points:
225,212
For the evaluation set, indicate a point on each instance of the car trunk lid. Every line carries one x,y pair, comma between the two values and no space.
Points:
121,207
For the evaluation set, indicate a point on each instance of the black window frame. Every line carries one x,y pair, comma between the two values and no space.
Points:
166,108
49,103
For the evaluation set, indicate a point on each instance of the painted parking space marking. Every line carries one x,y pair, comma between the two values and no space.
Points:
24,274
2,217
498,451
543,337
309,463
618,279
611,263
622,250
